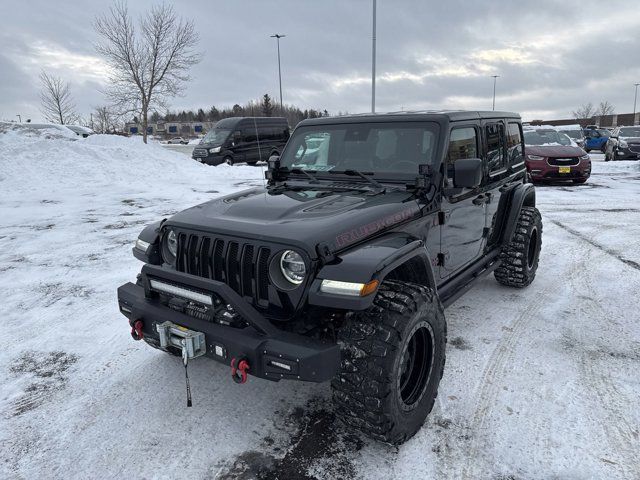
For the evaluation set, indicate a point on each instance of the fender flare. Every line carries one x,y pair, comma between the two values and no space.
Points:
372,260
523,195
150,234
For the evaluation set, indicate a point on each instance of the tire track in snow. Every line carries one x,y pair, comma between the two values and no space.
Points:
495,368
621,435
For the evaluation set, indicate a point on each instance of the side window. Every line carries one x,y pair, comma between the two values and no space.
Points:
495,147
514,144
248,135
463,143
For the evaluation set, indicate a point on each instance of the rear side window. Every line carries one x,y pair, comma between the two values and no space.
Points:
495,147
514,144
463,143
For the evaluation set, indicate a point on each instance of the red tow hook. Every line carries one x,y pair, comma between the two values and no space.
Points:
136,330
239,372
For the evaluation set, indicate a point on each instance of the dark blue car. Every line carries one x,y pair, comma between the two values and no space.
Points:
595,139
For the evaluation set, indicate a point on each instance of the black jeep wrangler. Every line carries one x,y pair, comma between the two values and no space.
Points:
339,269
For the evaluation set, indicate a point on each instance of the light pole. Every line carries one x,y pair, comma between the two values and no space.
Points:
635,99
373,61
277,36
20,118
495,77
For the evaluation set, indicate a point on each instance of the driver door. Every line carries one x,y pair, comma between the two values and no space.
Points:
462,238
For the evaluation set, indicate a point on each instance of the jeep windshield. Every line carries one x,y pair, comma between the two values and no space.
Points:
216,136
545,137
386,150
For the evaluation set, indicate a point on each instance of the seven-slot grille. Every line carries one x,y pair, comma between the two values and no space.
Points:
563,162
200,152
242,266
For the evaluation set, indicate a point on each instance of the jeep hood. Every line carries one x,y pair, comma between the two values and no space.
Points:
554,150
301,217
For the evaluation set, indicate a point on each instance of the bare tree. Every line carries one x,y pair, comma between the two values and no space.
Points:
104,120
55,100
585,111
150,66
605,108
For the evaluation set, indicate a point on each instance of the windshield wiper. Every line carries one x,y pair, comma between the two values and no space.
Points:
363,175
304,172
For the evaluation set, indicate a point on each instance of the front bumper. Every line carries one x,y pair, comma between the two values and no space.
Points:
540,170
213,159
627,153
262,345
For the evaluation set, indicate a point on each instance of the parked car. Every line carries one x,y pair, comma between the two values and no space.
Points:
596,139
623,144
62,129
178,140
339,269
552,156
243,139
81,131
574,132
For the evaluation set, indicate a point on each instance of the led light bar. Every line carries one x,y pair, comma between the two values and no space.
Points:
142,245
348,288
181,292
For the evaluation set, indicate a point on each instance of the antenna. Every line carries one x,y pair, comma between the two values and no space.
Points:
255,126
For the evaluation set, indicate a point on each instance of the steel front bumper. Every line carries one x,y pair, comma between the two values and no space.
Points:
271,353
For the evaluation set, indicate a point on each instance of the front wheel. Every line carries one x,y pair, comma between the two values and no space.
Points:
393,356
228,161
519,258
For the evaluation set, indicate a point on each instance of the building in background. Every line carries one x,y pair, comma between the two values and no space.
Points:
167,130
614,120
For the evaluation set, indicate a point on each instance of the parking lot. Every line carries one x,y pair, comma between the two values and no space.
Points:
539,383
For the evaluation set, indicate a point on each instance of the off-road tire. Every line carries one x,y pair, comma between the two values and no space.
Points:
366,391
152,342
519,259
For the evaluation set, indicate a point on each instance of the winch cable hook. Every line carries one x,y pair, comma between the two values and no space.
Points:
136,330
185,360
239,370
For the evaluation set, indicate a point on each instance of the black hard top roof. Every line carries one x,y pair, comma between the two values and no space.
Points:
231,121
411,116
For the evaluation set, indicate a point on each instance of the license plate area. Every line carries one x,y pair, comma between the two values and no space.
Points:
191,343
564,169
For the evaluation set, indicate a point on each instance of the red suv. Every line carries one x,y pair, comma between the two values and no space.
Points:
552,156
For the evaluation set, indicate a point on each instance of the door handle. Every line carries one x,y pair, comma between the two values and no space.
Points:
479,200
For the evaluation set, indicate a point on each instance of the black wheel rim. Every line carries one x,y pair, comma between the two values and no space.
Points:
416,364
533,248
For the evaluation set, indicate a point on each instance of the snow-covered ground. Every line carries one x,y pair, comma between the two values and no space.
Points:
539,383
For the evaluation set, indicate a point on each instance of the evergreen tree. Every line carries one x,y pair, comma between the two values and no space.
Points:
267,106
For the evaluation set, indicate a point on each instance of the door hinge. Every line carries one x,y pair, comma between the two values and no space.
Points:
441,218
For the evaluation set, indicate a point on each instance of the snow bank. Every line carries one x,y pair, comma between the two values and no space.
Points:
36,161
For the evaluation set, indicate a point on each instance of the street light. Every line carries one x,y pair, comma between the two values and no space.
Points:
635,99
373,61
277,36
493,107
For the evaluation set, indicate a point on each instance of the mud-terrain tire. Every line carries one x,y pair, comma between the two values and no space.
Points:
152,342
519,259
404,331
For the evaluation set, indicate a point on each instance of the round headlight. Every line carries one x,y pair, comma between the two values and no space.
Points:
170,247
292,267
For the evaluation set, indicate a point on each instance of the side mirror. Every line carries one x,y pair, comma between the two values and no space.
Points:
236,138
273,165
467,172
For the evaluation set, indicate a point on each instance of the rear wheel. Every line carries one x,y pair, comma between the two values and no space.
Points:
393,356
519,258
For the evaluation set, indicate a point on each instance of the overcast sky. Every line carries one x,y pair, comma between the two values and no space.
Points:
551,56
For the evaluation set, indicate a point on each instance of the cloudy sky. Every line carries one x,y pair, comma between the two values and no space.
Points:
551,56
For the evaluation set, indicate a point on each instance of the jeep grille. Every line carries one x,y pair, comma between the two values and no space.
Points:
242,266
